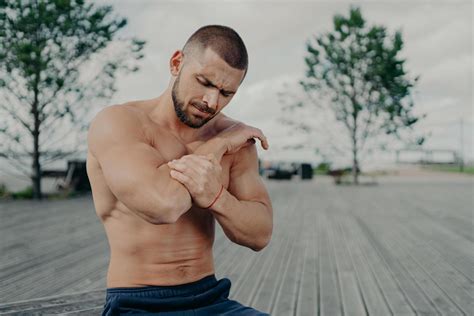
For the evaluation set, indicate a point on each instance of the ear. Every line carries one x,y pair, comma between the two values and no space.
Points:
176,62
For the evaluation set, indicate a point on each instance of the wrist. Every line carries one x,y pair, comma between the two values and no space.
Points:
219,205
217,196
216,146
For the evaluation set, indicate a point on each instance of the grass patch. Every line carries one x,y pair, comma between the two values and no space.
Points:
26,193
450,168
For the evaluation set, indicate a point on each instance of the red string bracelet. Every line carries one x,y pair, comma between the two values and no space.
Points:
219,194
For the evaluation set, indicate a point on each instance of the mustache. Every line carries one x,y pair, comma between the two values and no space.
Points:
203,108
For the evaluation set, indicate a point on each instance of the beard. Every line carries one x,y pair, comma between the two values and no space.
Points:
185,118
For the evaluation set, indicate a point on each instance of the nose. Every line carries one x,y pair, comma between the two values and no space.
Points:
211,98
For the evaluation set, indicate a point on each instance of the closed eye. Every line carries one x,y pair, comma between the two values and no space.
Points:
208,84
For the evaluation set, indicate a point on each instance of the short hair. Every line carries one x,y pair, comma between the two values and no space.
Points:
224,41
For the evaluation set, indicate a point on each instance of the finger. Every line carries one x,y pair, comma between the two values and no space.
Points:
248,143
263,139
204,162
187,157
195,166
183,179
194,158
213,159
185,167
265,144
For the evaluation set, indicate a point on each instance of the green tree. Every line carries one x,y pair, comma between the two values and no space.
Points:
57,59
359,71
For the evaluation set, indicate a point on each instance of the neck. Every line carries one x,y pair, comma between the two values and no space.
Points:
163,113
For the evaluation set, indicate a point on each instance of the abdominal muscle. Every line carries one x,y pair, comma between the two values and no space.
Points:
144,254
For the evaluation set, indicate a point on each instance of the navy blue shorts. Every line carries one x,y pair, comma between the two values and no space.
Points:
207,296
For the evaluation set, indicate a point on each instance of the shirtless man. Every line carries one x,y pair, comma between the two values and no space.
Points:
163,170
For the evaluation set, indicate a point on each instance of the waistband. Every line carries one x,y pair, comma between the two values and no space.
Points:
192,288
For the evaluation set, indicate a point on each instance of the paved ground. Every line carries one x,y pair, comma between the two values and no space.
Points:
402,247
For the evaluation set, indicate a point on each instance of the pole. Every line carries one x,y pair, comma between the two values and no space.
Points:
461,161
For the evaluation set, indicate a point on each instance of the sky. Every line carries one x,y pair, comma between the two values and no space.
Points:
438,47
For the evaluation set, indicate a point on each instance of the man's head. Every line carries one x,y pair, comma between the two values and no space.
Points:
207,73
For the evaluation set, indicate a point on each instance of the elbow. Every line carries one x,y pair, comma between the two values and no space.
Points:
170,211
262,241
261,244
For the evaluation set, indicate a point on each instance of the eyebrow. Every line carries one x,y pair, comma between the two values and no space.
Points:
209,82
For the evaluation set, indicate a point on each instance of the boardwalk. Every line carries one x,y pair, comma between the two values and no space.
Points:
403,247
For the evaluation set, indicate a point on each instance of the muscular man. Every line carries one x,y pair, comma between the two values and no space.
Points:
163,170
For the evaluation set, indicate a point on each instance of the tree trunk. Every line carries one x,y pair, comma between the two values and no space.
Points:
37,194
355,162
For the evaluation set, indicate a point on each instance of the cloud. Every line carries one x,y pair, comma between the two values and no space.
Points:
437,37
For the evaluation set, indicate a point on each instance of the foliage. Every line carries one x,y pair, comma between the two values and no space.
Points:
26,193
323,168
358,70
57,58
3,190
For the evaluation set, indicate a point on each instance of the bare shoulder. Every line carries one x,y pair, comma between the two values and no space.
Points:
115,123
246,157
117,114
223,121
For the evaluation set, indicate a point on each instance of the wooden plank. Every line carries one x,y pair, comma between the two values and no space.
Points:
288,290
287,294
265,293
445,277
396,299
432,291
390,246
66,307
37,304
418,300
307,303
373,298
48,270
330,302
246,290
351,296
453,248
95,311
254,283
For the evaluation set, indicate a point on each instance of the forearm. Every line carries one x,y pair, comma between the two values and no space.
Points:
247,223
182,200
215,146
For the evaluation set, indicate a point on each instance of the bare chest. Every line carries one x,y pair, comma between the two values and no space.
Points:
171,148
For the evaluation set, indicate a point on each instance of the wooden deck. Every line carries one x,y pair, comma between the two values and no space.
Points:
403,247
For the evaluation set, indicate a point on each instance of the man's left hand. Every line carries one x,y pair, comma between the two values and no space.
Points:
200,175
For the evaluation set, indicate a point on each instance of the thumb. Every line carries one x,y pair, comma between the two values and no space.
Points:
211,157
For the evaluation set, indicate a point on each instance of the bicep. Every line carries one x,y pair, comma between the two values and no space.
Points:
128,169
129,165
245,182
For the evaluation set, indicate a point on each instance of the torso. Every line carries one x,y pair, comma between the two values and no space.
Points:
146,254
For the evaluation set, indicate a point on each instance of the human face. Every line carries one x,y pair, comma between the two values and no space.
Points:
204,86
